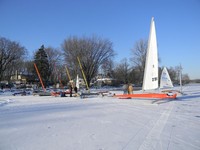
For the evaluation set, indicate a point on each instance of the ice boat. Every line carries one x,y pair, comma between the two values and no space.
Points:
165,80
150,79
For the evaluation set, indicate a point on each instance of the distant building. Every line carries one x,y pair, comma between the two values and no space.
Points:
18,79
107,81
21,78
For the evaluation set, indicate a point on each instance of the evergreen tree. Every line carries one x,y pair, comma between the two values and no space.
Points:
43,65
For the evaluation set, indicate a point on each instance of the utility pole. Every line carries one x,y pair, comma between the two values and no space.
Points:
180,77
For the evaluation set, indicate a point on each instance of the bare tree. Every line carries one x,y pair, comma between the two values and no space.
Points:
172,73
11,54
107,68
92,52
135,76
139,56
122,71
185,78
55,61
54,55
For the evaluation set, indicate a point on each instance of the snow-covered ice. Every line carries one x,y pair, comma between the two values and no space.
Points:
101,123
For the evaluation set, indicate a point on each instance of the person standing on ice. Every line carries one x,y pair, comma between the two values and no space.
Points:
75,90
130,89
125,88
70,91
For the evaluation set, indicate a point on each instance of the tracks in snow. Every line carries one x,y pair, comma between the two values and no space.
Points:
150,133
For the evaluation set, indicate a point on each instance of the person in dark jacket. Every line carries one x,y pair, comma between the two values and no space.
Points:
70,91
75,89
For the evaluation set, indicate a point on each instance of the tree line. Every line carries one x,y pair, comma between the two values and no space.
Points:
95,54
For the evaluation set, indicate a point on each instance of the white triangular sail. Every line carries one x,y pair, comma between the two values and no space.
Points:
77,81
150,80
165,80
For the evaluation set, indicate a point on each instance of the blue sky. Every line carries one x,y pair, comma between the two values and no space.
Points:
124,22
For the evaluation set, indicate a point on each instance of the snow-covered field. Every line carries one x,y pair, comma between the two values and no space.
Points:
100,123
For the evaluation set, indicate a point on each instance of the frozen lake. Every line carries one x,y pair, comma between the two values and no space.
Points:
64,123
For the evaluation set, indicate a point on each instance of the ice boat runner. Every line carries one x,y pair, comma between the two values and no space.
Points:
150,79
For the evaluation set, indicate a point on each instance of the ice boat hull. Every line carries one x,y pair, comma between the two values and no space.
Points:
148,96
